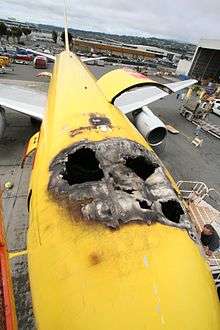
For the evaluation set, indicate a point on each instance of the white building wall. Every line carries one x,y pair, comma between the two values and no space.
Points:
183,67
41,36
209,43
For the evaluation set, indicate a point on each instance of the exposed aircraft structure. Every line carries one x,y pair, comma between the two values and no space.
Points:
125,185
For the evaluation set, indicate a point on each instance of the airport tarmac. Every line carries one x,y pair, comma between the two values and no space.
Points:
184,161
29,73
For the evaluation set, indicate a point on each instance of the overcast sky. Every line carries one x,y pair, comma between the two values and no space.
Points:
187,20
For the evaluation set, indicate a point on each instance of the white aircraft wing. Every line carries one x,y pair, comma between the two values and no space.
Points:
176,86
138,97
84,59
52,57
49,56
130,90
24,99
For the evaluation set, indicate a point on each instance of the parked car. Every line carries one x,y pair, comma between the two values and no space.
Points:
11,53
2,50
23,57
40,62
216,107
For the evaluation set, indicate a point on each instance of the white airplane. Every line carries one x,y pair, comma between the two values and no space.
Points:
134,93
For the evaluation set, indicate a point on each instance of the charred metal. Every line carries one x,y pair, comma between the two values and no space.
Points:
113,182
79,130
96,120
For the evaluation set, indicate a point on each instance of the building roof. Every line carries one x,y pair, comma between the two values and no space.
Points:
210,43
156,49
117,48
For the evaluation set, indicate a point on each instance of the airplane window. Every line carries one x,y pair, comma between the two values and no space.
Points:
144,205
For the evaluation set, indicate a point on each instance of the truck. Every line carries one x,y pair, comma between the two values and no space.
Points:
193,108
40,62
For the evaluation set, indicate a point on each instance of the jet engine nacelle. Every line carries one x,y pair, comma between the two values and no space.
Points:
2,122
151,127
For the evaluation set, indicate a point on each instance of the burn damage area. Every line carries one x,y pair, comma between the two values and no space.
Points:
114,182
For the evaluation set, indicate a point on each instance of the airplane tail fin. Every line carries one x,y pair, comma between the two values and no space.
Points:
66,28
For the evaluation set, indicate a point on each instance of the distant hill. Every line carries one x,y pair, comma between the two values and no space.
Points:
170,45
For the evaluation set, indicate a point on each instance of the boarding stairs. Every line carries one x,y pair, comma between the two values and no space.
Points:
201,212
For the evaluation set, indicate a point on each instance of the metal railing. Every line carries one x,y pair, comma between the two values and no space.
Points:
216,275
193,190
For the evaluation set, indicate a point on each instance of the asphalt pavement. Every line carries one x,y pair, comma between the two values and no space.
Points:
184,160
27,72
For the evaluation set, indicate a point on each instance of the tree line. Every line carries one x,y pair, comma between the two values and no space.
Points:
62,37
14,32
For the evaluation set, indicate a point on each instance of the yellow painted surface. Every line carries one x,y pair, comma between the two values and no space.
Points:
17,254
30,147
32,144
119,80
189,93
87,277
5,61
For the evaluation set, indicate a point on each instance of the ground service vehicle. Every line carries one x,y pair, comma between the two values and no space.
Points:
40,62
216,107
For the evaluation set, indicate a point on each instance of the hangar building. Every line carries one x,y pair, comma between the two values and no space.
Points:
206,60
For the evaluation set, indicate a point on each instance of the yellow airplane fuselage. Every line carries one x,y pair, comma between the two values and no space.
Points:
86,276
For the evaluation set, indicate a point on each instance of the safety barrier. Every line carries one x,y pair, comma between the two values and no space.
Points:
193,190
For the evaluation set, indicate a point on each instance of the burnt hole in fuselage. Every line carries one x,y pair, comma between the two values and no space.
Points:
172,210
144,205
141,166
114,182
82,166
128,191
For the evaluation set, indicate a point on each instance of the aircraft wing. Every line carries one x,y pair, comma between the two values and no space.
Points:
136,99
26,99
83,59
130,90
52,57
49,56
176,86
